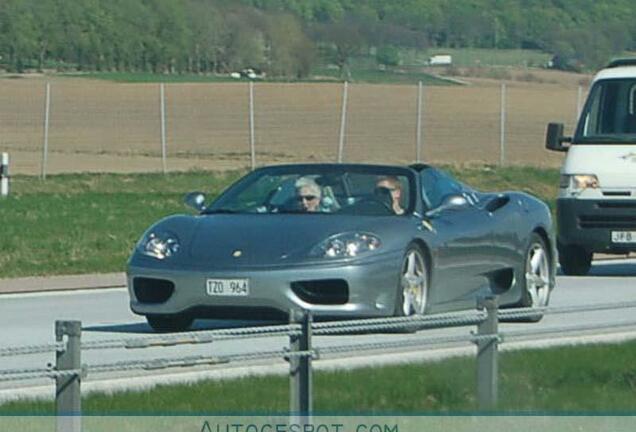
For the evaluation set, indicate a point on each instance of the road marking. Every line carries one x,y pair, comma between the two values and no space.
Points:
63,293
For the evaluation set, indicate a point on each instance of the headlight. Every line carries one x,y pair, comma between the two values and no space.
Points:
579,181
346,245
160,245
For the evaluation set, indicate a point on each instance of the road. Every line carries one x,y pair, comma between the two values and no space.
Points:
28,319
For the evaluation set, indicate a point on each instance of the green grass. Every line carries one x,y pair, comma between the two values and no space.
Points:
88,223
595,379
358,74
146,77
388,76
85,223
471,57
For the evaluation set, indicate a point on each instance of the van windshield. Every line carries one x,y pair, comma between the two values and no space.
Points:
609,115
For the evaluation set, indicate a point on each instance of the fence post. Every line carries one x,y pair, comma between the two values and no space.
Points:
68,398
579,104
47,113
418,132
502,127
162,111
300,373
4,175
251,121
487,363
343,121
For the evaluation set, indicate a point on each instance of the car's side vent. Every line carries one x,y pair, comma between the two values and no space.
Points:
324,292
149,290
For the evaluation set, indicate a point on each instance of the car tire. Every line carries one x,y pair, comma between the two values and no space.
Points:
536,283
169,323
574,260
412,291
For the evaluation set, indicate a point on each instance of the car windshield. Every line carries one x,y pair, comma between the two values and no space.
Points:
609,115
321,189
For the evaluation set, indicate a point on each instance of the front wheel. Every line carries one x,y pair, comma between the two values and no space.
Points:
537,282
574,260
413,285
169,323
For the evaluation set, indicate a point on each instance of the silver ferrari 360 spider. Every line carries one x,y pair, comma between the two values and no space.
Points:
342,240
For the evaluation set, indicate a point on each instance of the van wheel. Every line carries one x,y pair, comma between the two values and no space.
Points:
574,260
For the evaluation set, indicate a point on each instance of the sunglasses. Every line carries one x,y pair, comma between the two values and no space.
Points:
307,197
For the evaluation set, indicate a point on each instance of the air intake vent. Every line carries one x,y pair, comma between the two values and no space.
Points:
617,193
153,291
326,291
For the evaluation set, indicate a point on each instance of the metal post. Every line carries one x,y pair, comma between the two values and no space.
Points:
4,175
300,373
343,121
579,103
252,137
502,127
68,399
47,113
418,133
162,104
487,364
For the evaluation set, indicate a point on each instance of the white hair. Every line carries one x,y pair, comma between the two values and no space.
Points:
308,182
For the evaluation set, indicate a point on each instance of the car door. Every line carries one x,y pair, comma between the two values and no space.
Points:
463,253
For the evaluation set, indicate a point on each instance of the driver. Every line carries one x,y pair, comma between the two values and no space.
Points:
394,186
308,194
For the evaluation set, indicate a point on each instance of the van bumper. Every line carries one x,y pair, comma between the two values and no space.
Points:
590,223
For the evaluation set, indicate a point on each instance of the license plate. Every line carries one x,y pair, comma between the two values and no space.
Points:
623,236
228,287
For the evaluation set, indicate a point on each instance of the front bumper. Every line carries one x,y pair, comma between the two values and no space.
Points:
589,223
372,287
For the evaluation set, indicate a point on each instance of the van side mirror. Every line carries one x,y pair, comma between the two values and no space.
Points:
554,138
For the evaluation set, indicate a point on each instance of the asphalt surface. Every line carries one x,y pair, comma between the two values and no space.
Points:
28,319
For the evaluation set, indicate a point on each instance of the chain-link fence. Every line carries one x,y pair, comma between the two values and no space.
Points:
75,125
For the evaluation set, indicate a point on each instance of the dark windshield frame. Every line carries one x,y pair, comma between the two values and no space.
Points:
605,139
242,184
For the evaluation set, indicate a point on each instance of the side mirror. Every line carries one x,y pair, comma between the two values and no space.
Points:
554,138
452,201
196,200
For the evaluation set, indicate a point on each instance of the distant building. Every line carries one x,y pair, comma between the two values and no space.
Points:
441,60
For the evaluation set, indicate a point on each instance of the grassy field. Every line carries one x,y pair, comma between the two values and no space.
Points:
590,379
321,74
84,223
470,57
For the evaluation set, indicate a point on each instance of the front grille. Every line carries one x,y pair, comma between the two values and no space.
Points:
630,205
153,291
608,221
325,292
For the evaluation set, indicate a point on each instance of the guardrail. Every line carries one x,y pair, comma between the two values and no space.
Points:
68,371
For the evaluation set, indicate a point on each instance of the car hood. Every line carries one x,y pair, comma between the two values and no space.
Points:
235,240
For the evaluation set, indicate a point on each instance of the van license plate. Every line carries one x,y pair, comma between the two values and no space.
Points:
228,287
623,236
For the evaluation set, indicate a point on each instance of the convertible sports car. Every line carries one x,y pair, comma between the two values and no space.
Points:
342,240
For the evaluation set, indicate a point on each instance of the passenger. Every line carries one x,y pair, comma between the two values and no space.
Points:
394,186
309,194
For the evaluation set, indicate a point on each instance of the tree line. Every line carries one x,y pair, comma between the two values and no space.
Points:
287,37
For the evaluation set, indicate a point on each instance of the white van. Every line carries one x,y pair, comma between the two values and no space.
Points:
596,207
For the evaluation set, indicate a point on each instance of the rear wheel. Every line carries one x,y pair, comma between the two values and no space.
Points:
574,260
413,285
169,323
536,279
